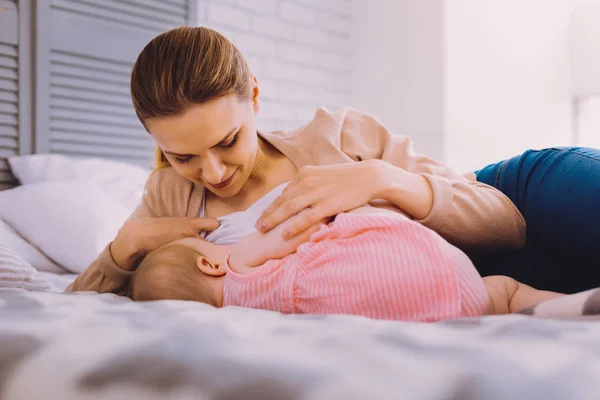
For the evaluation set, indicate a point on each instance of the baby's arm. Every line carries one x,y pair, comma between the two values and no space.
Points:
258,248
509,296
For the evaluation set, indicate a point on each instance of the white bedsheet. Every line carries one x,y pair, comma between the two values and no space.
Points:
58,282
90,346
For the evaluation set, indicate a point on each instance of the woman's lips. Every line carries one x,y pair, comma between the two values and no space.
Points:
226,182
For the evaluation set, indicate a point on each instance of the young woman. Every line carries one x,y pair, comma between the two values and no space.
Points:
194,93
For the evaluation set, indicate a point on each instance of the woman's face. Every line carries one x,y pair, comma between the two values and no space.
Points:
214,144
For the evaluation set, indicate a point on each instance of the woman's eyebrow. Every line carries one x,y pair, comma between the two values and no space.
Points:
177,154
231,132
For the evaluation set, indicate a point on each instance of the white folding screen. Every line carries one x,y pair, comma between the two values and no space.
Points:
15,84
85,50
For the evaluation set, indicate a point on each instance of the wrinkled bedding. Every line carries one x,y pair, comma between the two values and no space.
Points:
90,346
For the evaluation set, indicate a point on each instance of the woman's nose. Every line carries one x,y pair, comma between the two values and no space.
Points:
213,171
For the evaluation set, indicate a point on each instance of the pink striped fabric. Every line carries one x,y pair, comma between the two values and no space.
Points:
379,266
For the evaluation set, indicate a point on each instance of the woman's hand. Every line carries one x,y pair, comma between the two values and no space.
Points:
140,236
326,191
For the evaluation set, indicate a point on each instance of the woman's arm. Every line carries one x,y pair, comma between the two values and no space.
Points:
144,231
467,213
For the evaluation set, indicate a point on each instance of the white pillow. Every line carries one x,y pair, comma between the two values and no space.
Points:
71,222
124,181
28,252
16,273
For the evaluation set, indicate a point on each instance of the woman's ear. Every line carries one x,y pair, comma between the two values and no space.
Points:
255,95
209,268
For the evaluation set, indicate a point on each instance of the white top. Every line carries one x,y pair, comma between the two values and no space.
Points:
233,227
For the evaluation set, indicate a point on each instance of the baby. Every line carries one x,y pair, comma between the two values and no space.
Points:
373,263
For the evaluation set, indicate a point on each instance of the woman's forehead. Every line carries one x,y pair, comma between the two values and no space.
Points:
203,125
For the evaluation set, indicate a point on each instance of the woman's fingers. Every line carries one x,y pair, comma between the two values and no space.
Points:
290,192
205,224
169,229
284,211
306,220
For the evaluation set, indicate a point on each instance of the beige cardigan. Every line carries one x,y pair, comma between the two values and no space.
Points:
468,214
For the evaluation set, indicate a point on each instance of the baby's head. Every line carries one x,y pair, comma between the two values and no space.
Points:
181,270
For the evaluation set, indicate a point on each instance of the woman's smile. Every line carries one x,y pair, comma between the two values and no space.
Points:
226,182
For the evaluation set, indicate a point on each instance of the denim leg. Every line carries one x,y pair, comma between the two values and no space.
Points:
558,192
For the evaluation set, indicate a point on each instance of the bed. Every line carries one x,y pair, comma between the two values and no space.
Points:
88,345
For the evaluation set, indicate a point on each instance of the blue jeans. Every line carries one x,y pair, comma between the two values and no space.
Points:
558,192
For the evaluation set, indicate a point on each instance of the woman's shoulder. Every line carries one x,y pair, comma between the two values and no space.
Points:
169,192
324,124
325,118
330,134
165,177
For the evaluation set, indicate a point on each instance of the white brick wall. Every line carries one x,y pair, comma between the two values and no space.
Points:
300,51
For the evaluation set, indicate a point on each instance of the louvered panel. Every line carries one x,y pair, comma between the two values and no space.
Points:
60,114
85,127
105,79
8,74
8,50
176,9
90,109
9,142
181,3
8,62
9,119
87,84
8,97
90,63
84,68
143,9
7,84
137,142
9,110
5,153
8,131
80,94
138,156
122,13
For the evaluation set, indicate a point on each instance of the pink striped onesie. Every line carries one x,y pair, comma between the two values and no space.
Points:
379,266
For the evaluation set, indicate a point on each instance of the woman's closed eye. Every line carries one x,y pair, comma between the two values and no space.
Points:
226,145
230,143
183,160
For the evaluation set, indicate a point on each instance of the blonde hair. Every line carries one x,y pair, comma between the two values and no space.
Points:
170,273
183,67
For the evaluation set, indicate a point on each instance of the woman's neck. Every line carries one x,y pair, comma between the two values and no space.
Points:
267,160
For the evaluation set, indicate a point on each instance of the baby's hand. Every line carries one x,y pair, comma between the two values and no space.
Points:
258,248
278,247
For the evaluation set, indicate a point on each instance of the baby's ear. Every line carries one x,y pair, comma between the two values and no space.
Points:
209,267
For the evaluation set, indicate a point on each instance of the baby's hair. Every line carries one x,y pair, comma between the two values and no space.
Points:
170,273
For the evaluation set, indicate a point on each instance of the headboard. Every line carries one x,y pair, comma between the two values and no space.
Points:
64,76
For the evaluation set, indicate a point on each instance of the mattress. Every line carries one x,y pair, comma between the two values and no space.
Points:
92,346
